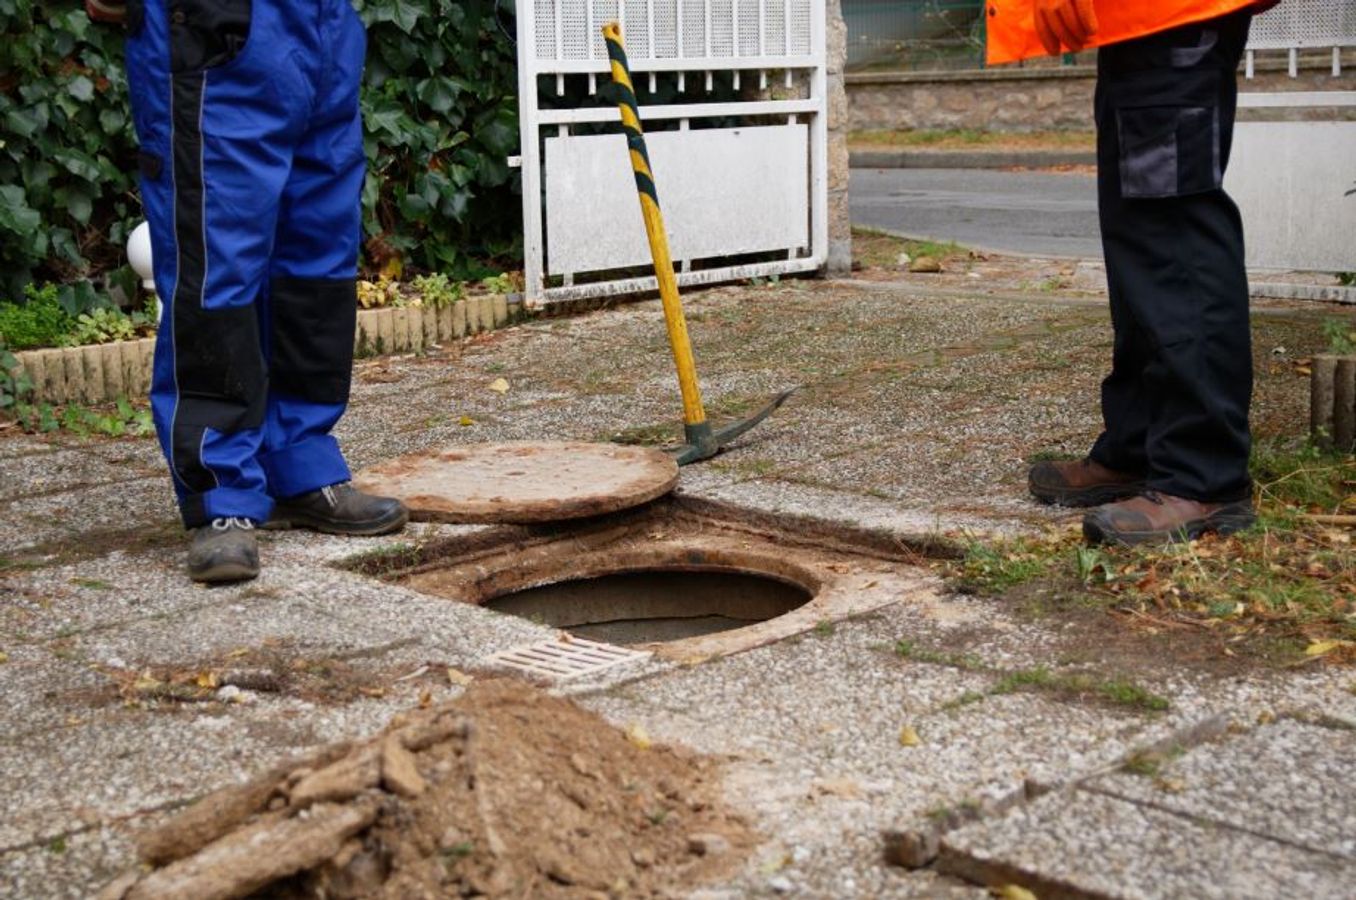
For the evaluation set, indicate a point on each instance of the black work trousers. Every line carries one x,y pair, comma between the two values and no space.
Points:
1175,405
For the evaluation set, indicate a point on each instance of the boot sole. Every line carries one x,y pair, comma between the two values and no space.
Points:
224,572
1095,496
373,528
1096,532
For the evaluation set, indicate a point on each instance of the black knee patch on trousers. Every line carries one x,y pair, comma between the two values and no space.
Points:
313,324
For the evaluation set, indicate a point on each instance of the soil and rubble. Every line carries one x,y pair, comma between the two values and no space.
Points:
506,791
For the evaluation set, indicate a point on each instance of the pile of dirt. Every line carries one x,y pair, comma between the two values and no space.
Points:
506,791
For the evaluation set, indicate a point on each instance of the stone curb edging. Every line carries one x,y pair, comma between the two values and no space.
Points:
1323,293
100,373
969,159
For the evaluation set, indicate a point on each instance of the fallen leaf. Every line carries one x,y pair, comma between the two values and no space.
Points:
426,699
4,658
499,385
1172,785
638,736
465,421
206,679
1014,892
908,737
415,674
1318,648
458,677
839,787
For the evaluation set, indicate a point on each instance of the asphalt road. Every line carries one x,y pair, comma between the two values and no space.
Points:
1038,214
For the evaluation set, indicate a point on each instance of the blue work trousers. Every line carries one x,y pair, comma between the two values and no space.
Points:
251,173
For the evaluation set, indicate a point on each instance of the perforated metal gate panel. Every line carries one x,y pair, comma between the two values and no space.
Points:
748,162
1305,23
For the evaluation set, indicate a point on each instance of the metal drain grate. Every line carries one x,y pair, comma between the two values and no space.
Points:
564,658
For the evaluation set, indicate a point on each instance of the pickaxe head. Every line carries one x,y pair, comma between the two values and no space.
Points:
704,442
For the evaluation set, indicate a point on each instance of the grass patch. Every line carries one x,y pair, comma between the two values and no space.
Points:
993,568
909,650
872,249
1113,691
1287,585
975,139
657,435
382,561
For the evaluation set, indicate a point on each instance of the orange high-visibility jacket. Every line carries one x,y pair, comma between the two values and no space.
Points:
1012,29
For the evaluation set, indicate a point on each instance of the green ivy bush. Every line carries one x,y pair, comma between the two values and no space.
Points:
441,116
67,195
441,119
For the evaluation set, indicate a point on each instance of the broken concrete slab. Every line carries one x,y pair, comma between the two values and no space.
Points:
1092,845
1289,780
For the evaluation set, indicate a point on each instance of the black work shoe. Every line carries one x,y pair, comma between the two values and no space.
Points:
1162,518
340,509
224,550
1081,482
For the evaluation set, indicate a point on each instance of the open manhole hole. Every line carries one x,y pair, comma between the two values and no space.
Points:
683,578
654,606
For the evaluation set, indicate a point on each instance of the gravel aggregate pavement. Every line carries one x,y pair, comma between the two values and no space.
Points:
921,399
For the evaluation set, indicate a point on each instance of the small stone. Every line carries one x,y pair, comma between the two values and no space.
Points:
232,694
925,264
781,884
643,857
911,849
800,855
707,844
904,260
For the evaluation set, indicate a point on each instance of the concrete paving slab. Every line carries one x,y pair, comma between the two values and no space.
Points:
926,395
1093,845
64,600
1289,780
33,475
68,868
103,508
38,690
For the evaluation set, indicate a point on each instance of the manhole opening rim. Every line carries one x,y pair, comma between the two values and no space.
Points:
531,579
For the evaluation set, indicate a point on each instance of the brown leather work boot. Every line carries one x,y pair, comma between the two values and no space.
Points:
1081,482
1161,518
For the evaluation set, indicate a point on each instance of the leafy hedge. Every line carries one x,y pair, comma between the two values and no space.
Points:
440,110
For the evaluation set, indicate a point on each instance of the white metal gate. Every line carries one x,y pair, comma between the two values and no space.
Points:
739,154
1293,179
1297,25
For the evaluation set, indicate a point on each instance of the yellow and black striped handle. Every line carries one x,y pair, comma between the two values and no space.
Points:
693,413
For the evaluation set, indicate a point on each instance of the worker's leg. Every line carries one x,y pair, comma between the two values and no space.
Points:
1182,380
312,302
1125,398
217,104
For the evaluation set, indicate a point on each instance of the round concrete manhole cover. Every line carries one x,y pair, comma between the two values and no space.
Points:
523,482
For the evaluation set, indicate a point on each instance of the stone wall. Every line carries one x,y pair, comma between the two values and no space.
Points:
1025,99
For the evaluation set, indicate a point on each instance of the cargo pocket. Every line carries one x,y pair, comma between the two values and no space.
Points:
1167,123
205,34
1168,151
